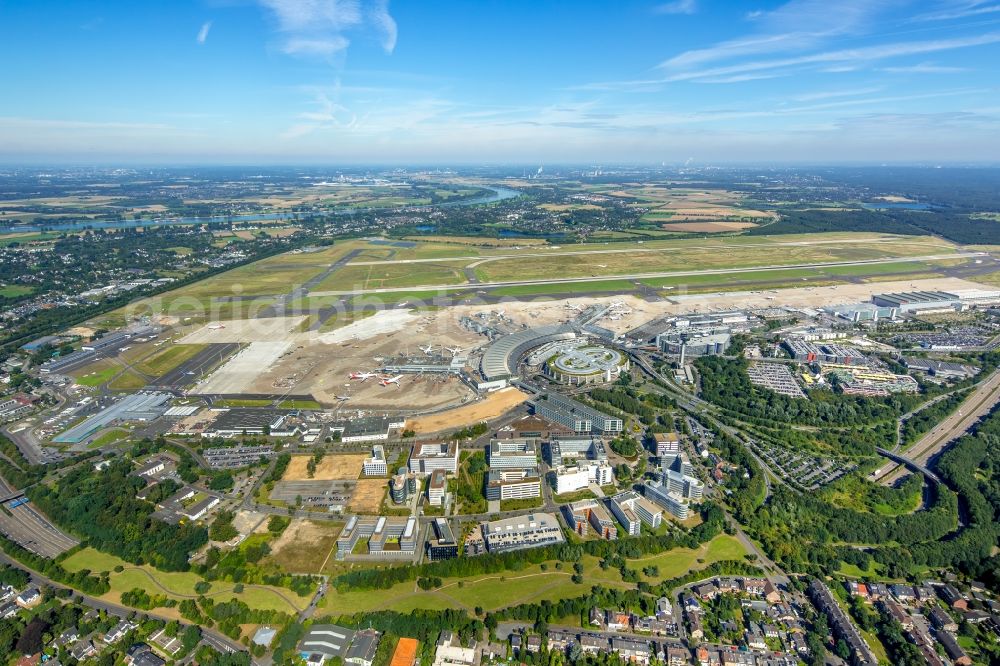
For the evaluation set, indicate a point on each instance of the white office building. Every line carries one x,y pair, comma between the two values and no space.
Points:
376,465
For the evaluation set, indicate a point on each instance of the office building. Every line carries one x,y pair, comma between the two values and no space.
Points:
427,457
437,488
572,414
591,514
510,483
521,532
376,465
443,546
513,453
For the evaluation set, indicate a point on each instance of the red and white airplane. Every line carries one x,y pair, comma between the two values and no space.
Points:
363,376
391,380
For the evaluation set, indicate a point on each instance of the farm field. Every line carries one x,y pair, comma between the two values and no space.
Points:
178,585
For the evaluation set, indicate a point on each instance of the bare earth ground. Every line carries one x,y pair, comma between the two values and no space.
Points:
332,467
495,404
305,545
368,495
280,360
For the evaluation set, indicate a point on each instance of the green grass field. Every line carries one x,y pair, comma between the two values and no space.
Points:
611,286
15,290
394,275
179,585
165,360
529,585
96,373
110,437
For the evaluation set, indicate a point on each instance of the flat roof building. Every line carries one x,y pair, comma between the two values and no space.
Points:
429,456
512,453
573,414
521,532
513,483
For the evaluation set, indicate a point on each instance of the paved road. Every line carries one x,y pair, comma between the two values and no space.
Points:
646,276
973,408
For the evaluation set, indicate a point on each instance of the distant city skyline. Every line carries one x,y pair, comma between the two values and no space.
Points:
406,82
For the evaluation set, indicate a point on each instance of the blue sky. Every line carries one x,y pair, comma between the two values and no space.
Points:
485,81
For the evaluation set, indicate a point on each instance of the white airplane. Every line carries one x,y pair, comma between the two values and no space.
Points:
574,307
429,349
391,380
215,327
363,376
343,398
454,351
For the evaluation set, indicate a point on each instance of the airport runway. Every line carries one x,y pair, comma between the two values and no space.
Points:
648,276
195,367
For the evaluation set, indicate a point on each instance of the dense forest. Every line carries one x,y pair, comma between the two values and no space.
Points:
102,508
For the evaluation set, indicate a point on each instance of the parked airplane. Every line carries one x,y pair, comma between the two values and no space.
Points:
343,398
454,351
215,327
429,349
363,376
391,380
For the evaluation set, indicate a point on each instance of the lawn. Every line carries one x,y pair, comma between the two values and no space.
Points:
679,561
394,275
690,255
529,585
178,585
97,373
242,402
612,286
165,360
127,381
110,437
15,290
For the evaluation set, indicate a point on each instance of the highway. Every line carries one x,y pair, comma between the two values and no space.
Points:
647,276
977,405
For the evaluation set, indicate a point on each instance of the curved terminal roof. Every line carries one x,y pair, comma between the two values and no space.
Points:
500,359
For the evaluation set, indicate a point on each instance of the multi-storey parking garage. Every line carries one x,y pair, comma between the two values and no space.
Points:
586,365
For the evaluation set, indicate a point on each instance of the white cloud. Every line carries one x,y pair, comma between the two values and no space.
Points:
678,7
203,33
840,57
830,94
319,28
924,68
385,23
960,9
